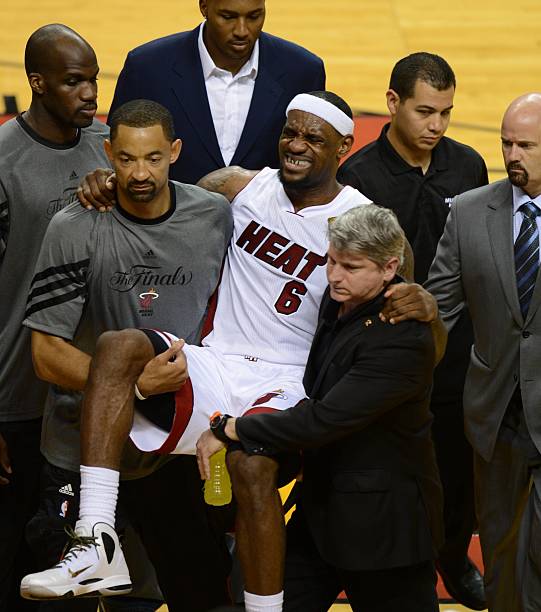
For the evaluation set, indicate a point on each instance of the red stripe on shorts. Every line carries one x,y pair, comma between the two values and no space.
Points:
208,323
183,414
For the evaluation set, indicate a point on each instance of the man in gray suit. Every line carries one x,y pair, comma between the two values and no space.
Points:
488,258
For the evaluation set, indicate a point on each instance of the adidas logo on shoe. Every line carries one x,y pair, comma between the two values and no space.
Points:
66,490
93,565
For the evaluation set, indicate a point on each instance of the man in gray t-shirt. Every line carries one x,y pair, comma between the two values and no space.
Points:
153,262
37,179
99,272
44,153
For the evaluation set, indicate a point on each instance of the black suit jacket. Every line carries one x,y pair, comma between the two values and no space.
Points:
168,71
371,493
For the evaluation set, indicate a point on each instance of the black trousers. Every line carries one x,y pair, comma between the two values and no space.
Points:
183,537
455,462
453,452
312,585
18,502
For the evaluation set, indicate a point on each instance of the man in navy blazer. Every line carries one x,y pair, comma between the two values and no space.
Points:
171,71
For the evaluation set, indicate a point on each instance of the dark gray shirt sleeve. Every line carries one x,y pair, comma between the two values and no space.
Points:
58,290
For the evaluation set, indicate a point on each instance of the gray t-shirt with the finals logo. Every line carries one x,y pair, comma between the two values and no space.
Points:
99,272
37,179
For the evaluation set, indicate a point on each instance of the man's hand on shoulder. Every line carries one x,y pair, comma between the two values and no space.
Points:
97,191
5,464
166,373
409,301
228,181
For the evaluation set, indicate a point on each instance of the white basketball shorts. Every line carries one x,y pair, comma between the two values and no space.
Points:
230,384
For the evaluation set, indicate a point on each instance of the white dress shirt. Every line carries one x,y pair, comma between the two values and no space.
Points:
519,198
229,97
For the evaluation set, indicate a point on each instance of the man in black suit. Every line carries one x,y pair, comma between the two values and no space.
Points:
369,517
227,85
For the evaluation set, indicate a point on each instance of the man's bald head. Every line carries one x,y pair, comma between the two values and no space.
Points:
526,105
62,72
46,44
521,143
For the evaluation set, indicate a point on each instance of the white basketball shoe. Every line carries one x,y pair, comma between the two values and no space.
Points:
93,565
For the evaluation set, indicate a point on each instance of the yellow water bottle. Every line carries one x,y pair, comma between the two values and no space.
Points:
217,489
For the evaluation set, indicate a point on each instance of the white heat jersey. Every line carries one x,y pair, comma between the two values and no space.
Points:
274,274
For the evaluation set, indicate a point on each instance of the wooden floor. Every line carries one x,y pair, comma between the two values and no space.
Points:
494,47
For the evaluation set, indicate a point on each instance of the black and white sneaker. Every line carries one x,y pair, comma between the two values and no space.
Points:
93,565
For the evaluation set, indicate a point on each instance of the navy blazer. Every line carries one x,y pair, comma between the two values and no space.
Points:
371,494
168,70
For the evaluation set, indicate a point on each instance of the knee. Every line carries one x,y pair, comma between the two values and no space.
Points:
124,348
253,477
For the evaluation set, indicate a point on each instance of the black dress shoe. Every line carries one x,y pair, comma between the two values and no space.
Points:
466,588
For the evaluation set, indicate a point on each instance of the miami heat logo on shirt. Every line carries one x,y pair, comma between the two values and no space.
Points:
145,302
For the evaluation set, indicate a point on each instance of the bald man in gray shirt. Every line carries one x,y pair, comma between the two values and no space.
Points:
43,154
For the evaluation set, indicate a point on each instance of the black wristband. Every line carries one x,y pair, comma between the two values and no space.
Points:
217,426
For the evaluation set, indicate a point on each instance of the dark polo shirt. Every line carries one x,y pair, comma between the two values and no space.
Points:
421,203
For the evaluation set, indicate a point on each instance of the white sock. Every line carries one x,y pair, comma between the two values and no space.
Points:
99,492
263,603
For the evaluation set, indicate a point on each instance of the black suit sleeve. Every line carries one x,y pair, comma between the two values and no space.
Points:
387,372
126,88
320,78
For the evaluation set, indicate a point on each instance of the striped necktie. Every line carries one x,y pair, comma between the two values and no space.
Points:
527,255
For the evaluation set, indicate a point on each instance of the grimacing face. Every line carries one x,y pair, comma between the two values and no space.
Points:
521,148
421,121
309,150
231,30
141,158
68,87
353,278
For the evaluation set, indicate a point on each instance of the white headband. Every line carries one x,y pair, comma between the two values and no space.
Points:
324,110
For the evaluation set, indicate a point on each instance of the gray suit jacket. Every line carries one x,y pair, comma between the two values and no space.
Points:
474,265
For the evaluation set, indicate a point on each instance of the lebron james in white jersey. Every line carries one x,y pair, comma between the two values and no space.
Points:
268,301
